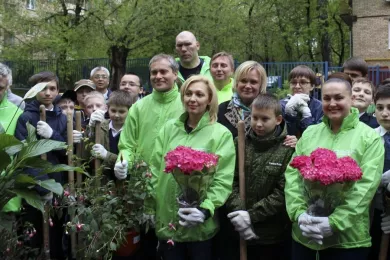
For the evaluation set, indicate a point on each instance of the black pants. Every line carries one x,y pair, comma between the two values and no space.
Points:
268,252
300,252
149,242
376,234
186,251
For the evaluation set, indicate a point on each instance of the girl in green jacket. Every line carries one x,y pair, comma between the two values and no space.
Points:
185,233
344,234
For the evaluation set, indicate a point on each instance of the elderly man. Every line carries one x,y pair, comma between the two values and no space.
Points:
101,78
143,123
15,99
222,69
190,63
131,83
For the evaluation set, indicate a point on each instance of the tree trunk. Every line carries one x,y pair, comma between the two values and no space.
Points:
118,57
308,24
324,31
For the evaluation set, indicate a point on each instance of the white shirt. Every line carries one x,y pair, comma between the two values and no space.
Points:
113,130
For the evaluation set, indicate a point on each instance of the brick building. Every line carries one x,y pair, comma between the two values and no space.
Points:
370,22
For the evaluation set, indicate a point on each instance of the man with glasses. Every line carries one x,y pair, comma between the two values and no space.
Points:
133,84
299,110
101,78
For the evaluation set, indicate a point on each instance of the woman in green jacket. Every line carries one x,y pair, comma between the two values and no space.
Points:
196,128
344,234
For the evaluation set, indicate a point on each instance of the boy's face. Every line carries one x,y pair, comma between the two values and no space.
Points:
264,121
354,74
94,103
118,114
361,96
81,93
48,94
382,112
67,106
300,85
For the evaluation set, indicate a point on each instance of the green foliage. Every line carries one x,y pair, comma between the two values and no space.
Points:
105,214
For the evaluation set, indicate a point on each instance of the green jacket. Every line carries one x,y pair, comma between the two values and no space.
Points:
9,114
205,71
226,93
209,137
144,121
266,160
350,220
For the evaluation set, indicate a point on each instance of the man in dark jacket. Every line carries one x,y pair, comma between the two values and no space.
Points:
54,128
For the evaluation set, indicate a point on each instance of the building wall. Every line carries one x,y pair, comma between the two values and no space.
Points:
371,31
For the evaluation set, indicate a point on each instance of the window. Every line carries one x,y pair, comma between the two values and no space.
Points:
30,4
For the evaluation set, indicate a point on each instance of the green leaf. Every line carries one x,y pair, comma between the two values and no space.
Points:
5,160
60,168
12,150
31,136
94,225
40,147
24,178
51,185
35,90
8,140
112,246
31,197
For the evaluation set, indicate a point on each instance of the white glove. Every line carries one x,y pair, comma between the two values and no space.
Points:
385,179
248,234
47,198
322,223
385,224
304,218
44,130
240,220
311,231
295,102
98,151
305,111
120,170
97,116
190,217
77,135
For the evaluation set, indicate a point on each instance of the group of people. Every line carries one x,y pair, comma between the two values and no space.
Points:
198,101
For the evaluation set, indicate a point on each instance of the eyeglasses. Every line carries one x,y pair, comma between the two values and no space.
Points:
301,83
100,76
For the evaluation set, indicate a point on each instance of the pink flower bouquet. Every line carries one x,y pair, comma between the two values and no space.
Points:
192,170
326,178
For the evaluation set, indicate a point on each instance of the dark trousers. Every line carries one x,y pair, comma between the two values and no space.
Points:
186,250
376,234
268,252
148,245
300,252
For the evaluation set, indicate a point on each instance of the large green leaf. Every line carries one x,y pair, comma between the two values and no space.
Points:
51,185
40,147
8,140
31,136
12,150
35,90
60,168
25,179
4,161
35,162
31,198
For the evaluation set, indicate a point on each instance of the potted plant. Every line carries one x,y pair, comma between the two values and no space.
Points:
108,217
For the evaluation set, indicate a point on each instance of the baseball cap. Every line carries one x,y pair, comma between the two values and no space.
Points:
84,82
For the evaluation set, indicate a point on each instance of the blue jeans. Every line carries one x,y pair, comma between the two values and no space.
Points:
300,252
199,250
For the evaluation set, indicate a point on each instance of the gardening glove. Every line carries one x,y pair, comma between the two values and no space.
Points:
97,116
304,110
248,234
295,102
385,178
120,170
47,198
311,231
190,217
77,135
322,223
240,220
290,141
98,151
44,130
385,224
304,218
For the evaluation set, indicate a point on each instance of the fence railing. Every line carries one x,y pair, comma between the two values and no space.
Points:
74,70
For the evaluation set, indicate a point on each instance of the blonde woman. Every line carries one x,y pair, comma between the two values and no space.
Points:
196,128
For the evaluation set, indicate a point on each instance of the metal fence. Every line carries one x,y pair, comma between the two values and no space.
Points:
80,69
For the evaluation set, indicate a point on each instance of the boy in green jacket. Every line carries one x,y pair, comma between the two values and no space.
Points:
262,218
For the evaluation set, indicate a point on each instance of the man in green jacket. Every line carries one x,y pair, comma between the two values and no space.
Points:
145,119
190,63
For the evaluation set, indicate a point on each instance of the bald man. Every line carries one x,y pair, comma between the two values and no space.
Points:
190,63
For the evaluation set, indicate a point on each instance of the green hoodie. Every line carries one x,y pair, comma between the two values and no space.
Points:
144,121
205,71
350,220
208,137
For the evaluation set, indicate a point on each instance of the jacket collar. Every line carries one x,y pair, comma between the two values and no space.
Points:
275,138
204,121
165,97
349,122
